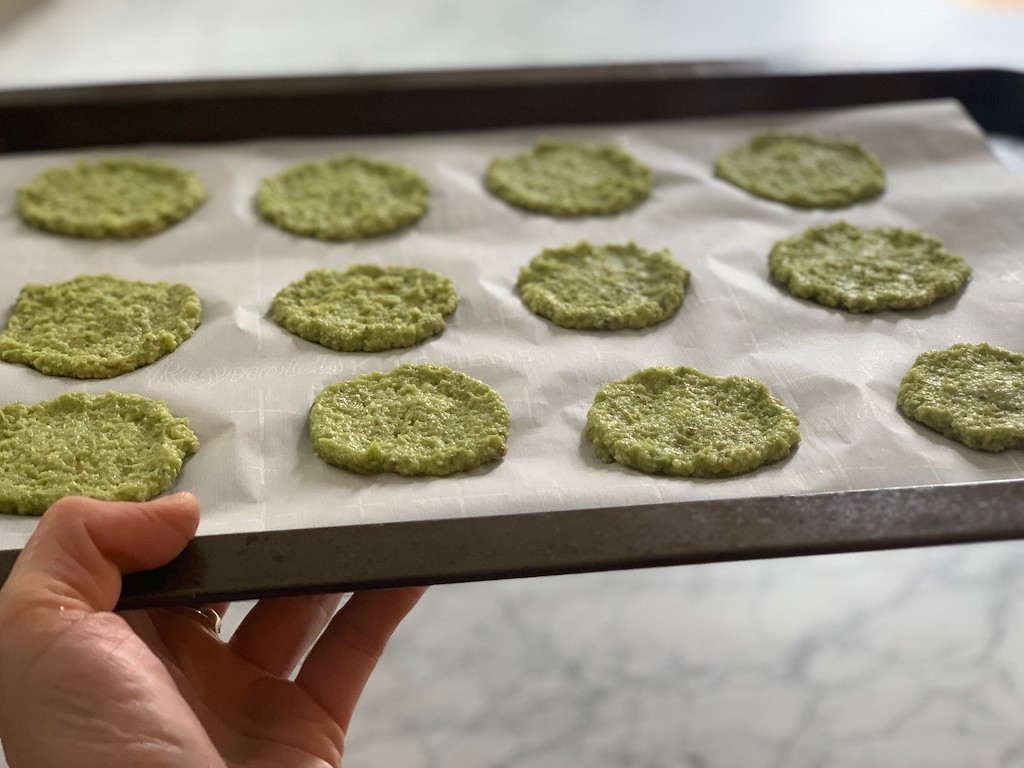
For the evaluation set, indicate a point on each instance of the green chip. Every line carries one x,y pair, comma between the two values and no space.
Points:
113,447
366,308
804,171
973,393
414,420
603,286
569,178
679,421
867,270
346,198
128,197
98,326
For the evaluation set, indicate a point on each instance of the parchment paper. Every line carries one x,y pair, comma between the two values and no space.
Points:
246,384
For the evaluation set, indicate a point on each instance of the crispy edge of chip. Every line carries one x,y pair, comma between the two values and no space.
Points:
613,443
783,271
153,347
916,400
633,188
194,194
176,430
376,459
370,337
540,298
272,204
727,167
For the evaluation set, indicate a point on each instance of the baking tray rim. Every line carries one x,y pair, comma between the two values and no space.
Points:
343,558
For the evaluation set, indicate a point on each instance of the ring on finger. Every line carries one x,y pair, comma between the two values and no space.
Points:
211,619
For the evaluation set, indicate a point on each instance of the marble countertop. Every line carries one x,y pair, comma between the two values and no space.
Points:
912,659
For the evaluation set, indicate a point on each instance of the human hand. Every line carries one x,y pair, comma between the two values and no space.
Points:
81,686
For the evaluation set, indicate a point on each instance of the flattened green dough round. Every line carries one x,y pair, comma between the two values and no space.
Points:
679,421
345,198
124,197
867,270
114,447
366,308
570,178
973,393
98,326
804,171
603,286
414,420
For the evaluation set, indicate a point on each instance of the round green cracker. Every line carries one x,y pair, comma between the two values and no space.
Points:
113,447
570,178
606,287
804,170
98,326
345,198
973,393
367,308
415,420
121,198
867,270
679,421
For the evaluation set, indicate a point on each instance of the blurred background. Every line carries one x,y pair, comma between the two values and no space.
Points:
47,42
909,659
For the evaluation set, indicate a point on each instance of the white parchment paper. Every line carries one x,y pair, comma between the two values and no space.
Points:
246,384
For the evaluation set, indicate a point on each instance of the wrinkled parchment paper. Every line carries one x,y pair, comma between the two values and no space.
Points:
246,384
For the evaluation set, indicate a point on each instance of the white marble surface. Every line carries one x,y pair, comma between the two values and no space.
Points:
912,659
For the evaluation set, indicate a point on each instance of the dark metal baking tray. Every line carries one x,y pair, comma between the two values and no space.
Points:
247,565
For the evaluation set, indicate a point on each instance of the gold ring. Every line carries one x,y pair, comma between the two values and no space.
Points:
210,617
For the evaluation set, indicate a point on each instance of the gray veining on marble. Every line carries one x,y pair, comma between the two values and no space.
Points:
912,658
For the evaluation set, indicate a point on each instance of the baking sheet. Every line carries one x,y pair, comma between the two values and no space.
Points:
246,384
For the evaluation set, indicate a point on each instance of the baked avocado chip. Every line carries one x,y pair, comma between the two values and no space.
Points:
113,447
414,420
973,393
346,198
867,270
805,171
366,308
679,421
571,178
98,326
606,287
117,198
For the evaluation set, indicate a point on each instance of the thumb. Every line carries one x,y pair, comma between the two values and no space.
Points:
82,546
